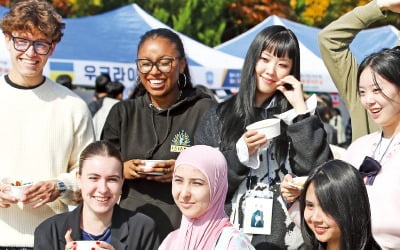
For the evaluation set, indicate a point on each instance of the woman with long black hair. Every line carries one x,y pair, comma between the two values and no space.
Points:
269,86
335,209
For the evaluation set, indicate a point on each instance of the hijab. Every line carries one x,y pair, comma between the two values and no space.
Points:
203,232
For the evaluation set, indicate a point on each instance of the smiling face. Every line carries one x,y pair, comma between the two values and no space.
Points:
162,87
27,67
270,69
382,102
191,191
101,184
322,224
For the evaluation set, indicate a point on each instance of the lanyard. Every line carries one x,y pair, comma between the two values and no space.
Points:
267,175
252,179
379,144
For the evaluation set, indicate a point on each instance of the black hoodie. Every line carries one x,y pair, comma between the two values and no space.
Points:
140,131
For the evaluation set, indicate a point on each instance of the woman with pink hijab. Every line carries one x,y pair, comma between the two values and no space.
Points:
199,188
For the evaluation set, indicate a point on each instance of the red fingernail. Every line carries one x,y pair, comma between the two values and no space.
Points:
93,248
74,243
98,242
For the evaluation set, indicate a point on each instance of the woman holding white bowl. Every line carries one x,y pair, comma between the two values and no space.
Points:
99,218
269,86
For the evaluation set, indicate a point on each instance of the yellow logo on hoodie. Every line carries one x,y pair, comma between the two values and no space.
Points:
180,142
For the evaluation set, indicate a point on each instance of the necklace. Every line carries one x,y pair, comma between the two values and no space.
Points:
379,145
102,237
161,109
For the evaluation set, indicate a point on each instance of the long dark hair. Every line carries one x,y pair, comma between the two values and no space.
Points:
385,63
239,111
341,193
186,82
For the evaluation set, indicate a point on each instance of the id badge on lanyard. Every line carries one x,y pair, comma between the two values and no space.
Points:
258,207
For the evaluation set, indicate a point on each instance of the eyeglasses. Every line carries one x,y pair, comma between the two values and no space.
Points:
163,65
22,44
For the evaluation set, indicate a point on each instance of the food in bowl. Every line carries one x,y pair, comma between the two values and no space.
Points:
19,183
16,188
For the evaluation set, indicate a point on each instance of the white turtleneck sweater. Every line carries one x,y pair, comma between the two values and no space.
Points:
43,130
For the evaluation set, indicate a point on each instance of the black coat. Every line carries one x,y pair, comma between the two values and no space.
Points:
129,230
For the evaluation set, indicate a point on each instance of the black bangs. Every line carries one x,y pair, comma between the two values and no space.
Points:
281,44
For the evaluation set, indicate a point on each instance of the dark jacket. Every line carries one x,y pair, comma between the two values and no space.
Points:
129,230
307,149
96,105
140,131
308,146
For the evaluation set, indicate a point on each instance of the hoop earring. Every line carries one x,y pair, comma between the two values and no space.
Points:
184,85
137,81
179,83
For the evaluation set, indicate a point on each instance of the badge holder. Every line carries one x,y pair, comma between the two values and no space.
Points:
257,216
258,207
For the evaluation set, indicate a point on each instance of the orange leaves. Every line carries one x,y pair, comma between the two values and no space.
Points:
255,11
315,10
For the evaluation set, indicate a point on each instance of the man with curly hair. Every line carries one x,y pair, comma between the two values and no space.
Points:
44,126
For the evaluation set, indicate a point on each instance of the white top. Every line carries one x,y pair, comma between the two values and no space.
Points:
384,194
101,115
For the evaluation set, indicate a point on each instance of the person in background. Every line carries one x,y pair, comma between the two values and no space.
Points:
114,95
207,91
65,80
324,114
337,122
98,218
157,124
348,132
269,86
100,93
44,125
334,208
199,187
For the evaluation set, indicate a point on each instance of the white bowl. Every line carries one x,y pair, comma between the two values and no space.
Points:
270,127
18,191
13,190
299,182
150,164
85,245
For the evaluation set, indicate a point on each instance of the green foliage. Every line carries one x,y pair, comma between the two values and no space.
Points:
201,20
215,21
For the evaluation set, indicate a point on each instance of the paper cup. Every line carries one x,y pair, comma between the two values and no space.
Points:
85,245
150,164
270,127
